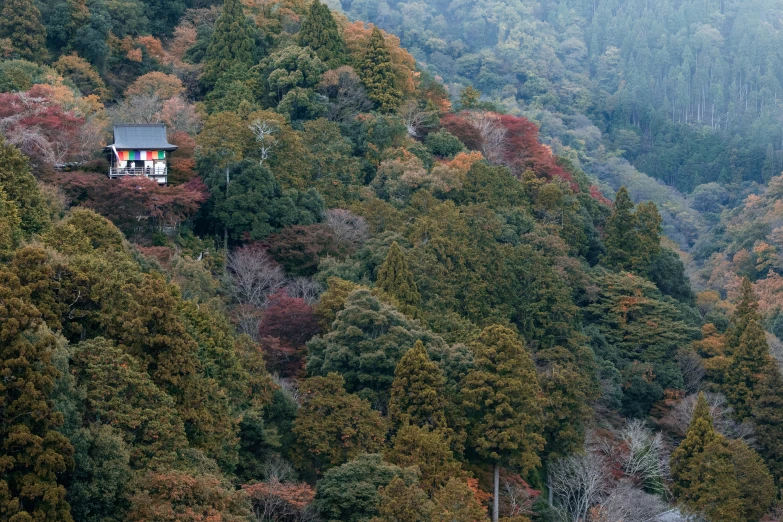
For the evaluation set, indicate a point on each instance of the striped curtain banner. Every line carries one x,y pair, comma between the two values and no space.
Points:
141,155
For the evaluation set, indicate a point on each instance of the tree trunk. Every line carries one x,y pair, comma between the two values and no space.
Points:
496,498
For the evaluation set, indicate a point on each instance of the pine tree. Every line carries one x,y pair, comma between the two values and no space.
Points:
396,279
768,417
745,368
701,433
319,32
469,98
20,21
377,73
33,454
621,236
334,426
429,451
648,229
501,398
417,392
233,43
745,313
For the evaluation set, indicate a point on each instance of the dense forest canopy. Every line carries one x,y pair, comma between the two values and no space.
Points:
406,265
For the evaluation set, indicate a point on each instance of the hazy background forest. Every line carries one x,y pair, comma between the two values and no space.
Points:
423,261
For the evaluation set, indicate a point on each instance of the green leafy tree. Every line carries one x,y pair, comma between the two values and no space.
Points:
396,279
569,381
10,224
21,189
377,74
319,32
403,503
367,340
20,22
469,98
333,426
502,402
253,205
33,455
145,319
289,68
118,392
100,481
417,392
427,450
233,43
349,493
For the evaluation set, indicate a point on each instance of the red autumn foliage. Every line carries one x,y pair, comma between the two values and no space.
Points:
523,151
131,202
506,140
595,193
42,129
516,497
462,129
287,324
290,319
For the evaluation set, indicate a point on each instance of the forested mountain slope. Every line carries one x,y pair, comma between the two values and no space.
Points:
639,70
356,299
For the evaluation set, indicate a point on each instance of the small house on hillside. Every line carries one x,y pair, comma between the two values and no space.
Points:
140,150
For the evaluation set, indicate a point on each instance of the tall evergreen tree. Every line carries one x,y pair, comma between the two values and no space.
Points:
33,454
621,235
377,73
747,311
768,418
233,43
746,345
648,229
745,368
320,33
501,398
417,392
20,22
396,279
701,433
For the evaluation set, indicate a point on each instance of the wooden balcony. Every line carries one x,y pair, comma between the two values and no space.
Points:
159,174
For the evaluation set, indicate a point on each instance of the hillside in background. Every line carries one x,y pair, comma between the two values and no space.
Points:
362,298
687,92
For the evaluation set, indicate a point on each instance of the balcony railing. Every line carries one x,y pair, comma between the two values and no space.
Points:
158,174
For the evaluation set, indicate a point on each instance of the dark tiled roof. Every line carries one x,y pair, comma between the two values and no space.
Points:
149,136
